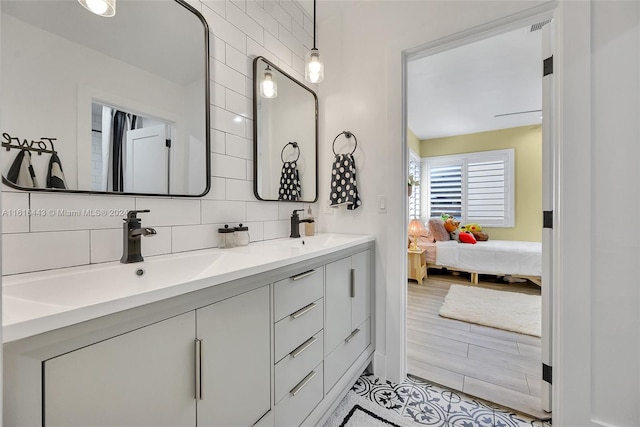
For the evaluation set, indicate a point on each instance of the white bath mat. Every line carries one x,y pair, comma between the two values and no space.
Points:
510,311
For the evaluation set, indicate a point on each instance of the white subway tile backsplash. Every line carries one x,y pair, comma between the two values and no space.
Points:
228,122
294,10
218,95
245,23
78,212
217,6
237,60
217,48
262,211
291,42
24,252
239,104
228,166
222,28
273,8
277,48
194,237
227,76
302,35
218,141
276,229
217,190
239,190
239,147
166,212
15,212
285,209
256,231
223,211
240,30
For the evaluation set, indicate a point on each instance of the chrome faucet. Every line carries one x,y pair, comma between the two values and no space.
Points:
295,223
133,232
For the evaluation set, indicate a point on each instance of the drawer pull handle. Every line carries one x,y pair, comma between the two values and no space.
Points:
302,275
352,278
198,381
303,310
303,383
352,336
305,345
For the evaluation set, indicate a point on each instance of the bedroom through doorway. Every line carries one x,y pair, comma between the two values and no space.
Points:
477,149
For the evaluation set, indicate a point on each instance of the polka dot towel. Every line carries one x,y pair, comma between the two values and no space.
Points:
289,182
343,182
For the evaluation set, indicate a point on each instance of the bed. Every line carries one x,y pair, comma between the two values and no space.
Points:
498,257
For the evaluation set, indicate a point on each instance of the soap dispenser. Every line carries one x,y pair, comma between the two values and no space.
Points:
310,227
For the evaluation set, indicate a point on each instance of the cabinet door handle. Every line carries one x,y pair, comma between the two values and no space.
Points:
352,279
303,310
302,275
302,347
303,383
198,370
352,336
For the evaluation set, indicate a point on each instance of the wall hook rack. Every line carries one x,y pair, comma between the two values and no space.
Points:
36,146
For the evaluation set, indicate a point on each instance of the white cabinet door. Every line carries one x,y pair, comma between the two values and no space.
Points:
141,378
337,301
235,361
361,300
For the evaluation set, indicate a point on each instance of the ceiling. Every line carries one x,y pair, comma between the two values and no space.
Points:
462,90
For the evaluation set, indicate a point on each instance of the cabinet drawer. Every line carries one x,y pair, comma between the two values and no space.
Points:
292,410
337,363
297,364
297,291
296,328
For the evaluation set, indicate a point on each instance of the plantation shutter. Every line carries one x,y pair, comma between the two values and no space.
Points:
415,198
486,192
445,190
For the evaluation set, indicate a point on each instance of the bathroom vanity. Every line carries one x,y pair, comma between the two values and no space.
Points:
271,334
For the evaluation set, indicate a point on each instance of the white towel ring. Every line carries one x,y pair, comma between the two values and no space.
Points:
348,135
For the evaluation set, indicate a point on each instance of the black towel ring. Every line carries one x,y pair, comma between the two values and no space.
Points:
347,134
295,145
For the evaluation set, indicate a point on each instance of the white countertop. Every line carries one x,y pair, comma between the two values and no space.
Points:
34,303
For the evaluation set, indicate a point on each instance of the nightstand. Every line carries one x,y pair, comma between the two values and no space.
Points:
417,270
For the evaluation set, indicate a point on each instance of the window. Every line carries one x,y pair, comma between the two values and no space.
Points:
414,199
474,187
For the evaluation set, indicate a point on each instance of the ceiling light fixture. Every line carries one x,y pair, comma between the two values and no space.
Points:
106,8
313,67
268,85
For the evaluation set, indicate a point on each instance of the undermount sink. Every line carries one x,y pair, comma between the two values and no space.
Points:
98,283
315,242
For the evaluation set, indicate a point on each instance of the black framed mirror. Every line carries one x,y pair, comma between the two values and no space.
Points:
120,105
285,134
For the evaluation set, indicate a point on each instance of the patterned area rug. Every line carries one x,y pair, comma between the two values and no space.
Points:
506,310
373,402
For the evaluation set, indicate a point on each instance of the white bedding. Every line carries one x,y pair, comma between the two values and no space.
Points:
492,257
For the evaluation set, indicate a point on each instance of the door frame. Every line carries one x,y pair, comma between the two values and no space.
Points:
481,32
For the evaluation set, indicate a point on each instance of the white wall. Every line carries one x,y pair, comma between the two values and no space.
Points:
240,30
596,367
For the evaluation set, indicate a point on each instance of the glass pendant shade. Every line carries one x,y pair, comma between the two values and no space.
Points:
268,85
106,8
314,68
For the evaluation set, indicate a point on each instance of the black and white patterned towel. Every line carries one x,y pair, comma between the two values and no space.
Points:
21,171
344,188
289,182
55,176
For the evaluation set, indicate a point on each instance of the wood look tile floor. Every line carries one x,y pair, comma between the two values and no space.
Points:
492,364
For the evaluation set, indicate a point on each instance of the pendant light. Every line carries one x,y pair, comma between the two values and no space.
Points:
313,67
106,8
268,85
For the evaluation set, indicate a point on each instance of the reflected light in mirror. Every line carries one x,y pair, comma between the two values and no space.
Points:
106,8
268,86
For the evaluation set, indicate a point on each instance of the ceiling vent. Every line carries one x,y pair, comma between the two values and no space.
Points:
539,25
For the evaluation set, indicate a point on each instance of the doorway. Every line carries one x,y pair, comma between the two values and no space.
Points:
488,362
